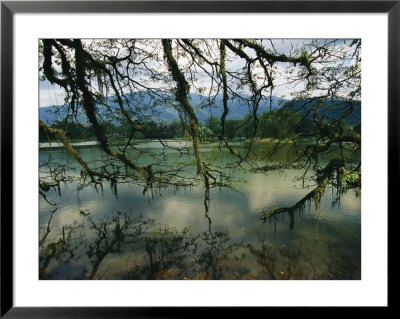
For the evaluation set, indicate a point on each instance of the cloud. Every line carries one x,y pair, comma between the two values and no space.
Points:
50,94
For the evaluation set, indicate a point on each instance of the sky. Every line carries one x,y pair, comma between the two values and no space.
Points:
50,94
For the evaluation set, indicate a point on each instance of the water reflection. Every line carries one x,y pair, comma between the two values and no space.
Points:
197,233
121,247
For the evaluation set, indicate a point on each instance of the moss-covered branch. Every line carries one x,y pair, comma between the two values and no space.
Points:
181,95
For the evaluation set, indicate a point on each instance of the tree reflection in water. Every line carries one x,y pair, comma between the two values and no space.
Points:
121,247
159,251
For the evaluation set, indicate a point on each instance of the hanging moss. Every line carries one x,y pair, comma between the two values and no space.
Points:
181,96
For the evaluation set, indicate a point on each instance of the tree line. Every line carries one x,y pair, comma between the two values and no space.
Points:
276,124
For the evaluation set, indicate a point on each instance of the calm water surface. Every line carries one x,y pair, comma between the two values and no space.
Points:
167,235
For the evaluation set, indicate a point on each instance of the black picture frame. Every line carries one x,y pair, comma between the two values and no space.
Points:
9,8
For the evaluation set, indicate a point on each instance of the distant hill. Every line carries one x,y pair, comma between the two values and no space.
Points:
331,109
146,108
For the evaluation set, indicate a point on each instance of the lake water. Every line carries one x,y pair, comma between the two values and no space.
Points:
169,234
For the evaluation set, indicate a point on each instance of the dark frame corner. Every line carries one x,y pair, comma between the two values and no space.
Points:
9,8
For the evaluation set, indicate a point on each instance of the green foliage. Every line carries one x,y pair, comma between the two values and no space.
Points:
349,179
357,128
73,131
204,133
151,130
214,125
282,123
